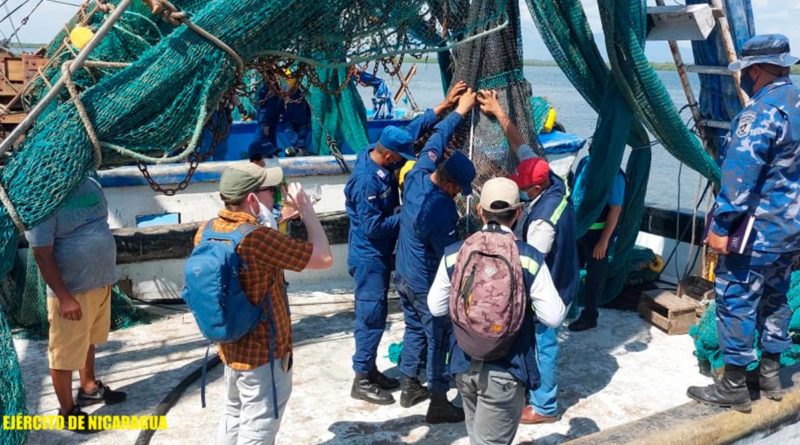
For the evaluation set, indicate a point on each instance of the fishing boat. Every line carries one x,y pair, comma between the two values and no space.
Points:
625,383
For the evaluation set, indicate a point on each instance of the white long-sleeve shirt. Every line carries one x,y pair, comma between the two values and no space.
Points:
547,305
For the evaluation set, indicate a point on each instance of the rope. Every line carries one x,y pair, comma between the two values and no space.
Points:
12,212
87,122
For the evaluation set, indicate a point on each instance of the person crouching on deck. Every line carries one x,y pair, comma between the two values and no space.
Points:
249,415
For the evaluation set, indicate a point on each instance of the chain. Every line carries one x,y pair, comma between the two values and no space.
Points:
220,128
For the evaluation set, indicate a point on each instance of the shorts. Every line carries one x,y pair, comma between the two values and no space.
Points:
70,340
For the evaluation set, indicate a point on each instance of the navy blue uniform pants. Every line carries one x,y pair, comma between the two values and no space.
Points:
751,299
372,286
425,335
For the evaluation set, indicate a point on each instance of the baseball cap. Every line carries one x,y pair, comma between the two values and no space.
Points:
398,141
532,171
499,195
461,169
242,178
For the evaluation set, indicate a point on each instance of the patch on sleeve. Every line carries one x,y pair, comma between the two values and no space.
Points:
432,156
745,123
381,174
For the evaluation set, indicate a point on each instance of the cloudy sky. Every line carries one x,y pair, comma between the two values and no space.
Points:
770,15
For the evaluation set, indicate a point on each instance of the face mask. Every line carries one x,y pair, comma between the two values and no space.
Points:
523,196
747,83
265,217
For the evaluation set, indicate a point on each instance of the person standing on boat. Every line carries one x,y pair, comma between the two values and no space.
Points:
760,182
547,224
371,201
76,254
427,225
257,391
593,247
493,390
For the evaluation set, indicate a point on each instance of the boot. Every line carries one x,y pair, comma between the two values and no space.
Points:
413,392
384,382
768,380
441,410
364,389
730,392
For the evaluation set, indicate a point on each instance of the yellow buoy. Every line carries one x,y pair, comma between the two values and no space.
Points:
80,36
550,122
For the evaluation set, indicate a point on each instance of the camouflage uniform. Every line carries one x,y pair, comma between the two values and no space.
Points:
761,177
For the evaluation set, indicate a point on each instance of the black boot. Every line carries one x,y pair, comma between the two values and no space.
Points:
413,392
384,382
768,380
442,411
364,389
730,392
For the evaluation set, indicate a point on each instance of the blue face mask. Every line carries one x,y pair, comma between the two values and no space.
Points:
747,83
523,196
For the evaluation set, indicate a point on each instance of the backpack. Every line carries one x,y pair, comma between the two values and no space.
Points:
488,296
213,290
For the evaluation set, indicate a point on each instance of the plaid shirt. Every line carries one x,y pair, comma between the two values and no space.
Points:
267,253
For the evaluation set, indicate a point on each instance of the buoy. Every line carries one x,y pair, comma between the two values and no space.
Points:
80,36
550,121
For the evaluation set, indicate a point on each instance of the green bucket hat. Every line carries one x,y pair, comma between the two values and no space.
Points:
243,178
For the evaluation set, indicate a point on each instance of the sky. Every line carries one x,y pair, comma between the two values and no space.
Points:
771,16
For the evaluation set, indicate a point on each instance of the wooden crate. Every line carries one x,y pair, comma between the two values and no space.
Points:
697,291
667,312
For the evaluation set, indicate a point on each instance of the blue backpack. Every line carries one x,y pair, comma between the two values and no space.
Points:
213,290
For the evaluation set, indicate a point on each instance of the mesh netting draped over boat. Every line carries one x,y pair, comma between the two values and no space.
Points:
163,100
495,63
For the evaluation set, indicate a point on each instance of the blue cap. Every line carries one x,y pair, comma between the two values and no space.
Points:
398,141
263,147
461,169
766,48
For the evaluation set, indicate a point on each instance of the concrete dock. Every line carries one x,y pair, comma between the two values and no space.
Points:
622,371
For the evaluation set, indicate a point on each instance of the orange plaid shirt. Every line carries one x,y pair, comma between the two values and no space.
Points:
266,253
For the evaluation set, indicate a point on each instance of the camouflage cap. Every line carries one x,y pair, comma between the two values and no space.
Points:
499,195
772,49
242,178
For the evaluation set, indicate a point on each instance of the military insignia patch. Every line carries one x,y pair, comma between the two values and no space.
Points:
745,122
432,156
381,174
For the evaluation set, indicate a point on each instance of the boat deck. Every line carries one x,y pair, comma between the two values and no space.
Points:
620,372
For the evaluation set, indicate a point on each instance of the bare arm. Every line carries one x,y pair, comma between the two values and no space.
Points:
321,256
612,219
490,106
69,307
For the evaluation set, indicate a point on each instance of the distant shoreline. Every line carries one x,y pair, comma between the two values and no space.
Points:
658,66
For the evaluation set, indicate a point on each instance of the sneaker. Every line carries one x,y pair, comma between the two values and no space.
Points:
102,394
77,421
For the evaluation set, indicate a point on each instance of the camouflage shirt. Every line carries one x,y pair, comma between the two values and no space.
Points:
761,170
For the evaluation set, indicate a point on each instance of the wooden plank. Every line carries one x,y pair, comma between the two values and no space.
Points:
15,70
667,312
13,119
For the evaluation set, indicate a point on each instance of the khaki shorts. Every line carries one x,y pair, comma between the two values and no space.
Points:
70,340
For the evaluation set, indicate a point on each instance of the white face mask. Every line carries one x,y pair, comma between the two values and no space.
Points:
265,217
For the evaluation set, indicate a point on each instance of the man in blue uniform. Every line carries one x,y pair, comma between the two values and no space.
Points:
593,247
547,224
372,202
428,225
760,182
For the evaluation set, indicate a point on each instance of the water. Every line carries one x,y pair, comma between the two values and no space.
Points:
668,181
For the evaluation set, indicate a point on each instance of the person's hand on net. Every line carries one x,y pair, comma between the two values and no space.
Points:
455,93
466,101
489,103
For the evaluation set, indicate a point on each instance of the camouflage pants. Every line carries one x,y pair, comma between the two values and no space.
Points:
751,298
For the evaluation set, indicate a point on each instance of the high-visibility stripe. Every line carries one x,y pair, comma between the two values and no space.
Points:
559,210
598,226
450,260
529,264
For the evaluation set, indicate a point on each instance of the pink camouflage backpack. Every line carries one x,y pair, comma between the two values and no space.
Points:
488,295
